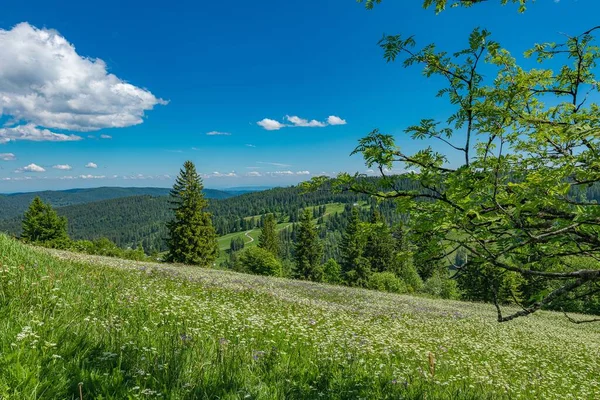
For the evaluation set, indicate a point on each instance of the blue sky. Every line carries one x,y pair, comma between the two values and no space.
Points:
179,70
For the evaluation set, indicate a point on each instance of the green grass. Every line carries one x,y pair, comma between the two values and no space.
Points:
128,329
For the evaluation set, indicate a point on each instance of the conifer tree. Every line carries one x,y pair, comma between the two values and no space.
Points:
269,239
352,244
308,250
41,224
379,247
192,237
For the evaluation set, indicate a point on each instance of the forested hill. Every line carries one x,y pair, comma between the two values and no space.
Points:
14,205
128,221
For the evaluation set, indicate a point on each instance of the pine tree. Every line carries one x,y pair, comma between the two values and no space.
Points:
41,224
352,244
379,247
308,249
192,237
269,239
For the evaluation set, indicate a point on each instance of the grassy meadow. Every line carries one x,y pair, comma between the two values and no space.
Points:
76,325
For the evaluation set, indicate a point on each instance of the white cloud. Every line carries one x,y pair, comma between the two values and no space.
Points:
30,132
250,145
7,157
273,164
91,165
271,124
334,120
103,136
64,167
91,176
217,133
253,173
31,168
280,173
301,122
302,172
218,174
18,178
44,82
297,122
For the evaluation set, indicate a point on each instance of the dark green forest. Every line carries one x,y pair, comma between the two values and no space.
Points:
14,204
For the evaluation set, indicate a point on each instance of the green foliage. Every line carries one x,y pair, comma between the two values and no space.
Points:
42,225
529,144
440,5
352,245
386,282
379,244
332,272
441,286
237,243
308,249
408,273
259,261
269,239
360,273
192,238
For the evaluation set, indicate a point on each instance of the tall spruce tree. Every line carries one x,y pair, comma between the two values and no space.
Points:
192,237
41,224
352,245
308,250
379,247
269,239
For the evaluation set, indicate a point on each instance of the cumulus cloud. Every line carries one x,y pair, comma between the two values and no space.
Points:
253,173
103,136
217,133
271,124
91,165
334,120
7,157
301,122
297,122
44,82
31,168
250,145
303,173
64,167
30,132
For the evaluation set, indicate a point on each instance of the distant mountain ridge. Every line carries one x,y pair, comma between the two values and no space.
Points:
15,204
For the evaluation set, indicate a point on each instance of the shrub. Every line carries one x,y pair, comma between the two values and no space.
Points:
386,282
409,275
260,261
440,285
332,272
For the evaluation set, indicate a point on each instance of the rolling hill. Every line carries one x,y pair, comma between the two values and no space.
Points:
15,204
128,221
76,325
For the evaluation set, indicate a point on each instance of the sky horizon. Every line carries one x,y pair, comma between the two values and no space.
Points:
254,93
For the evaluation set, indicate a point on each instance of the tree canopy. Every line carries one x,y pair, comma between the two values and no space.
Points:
529,141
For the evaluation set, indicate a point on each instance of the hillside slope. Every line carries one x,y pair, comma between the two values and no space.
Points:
127,221
126,330
14,205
